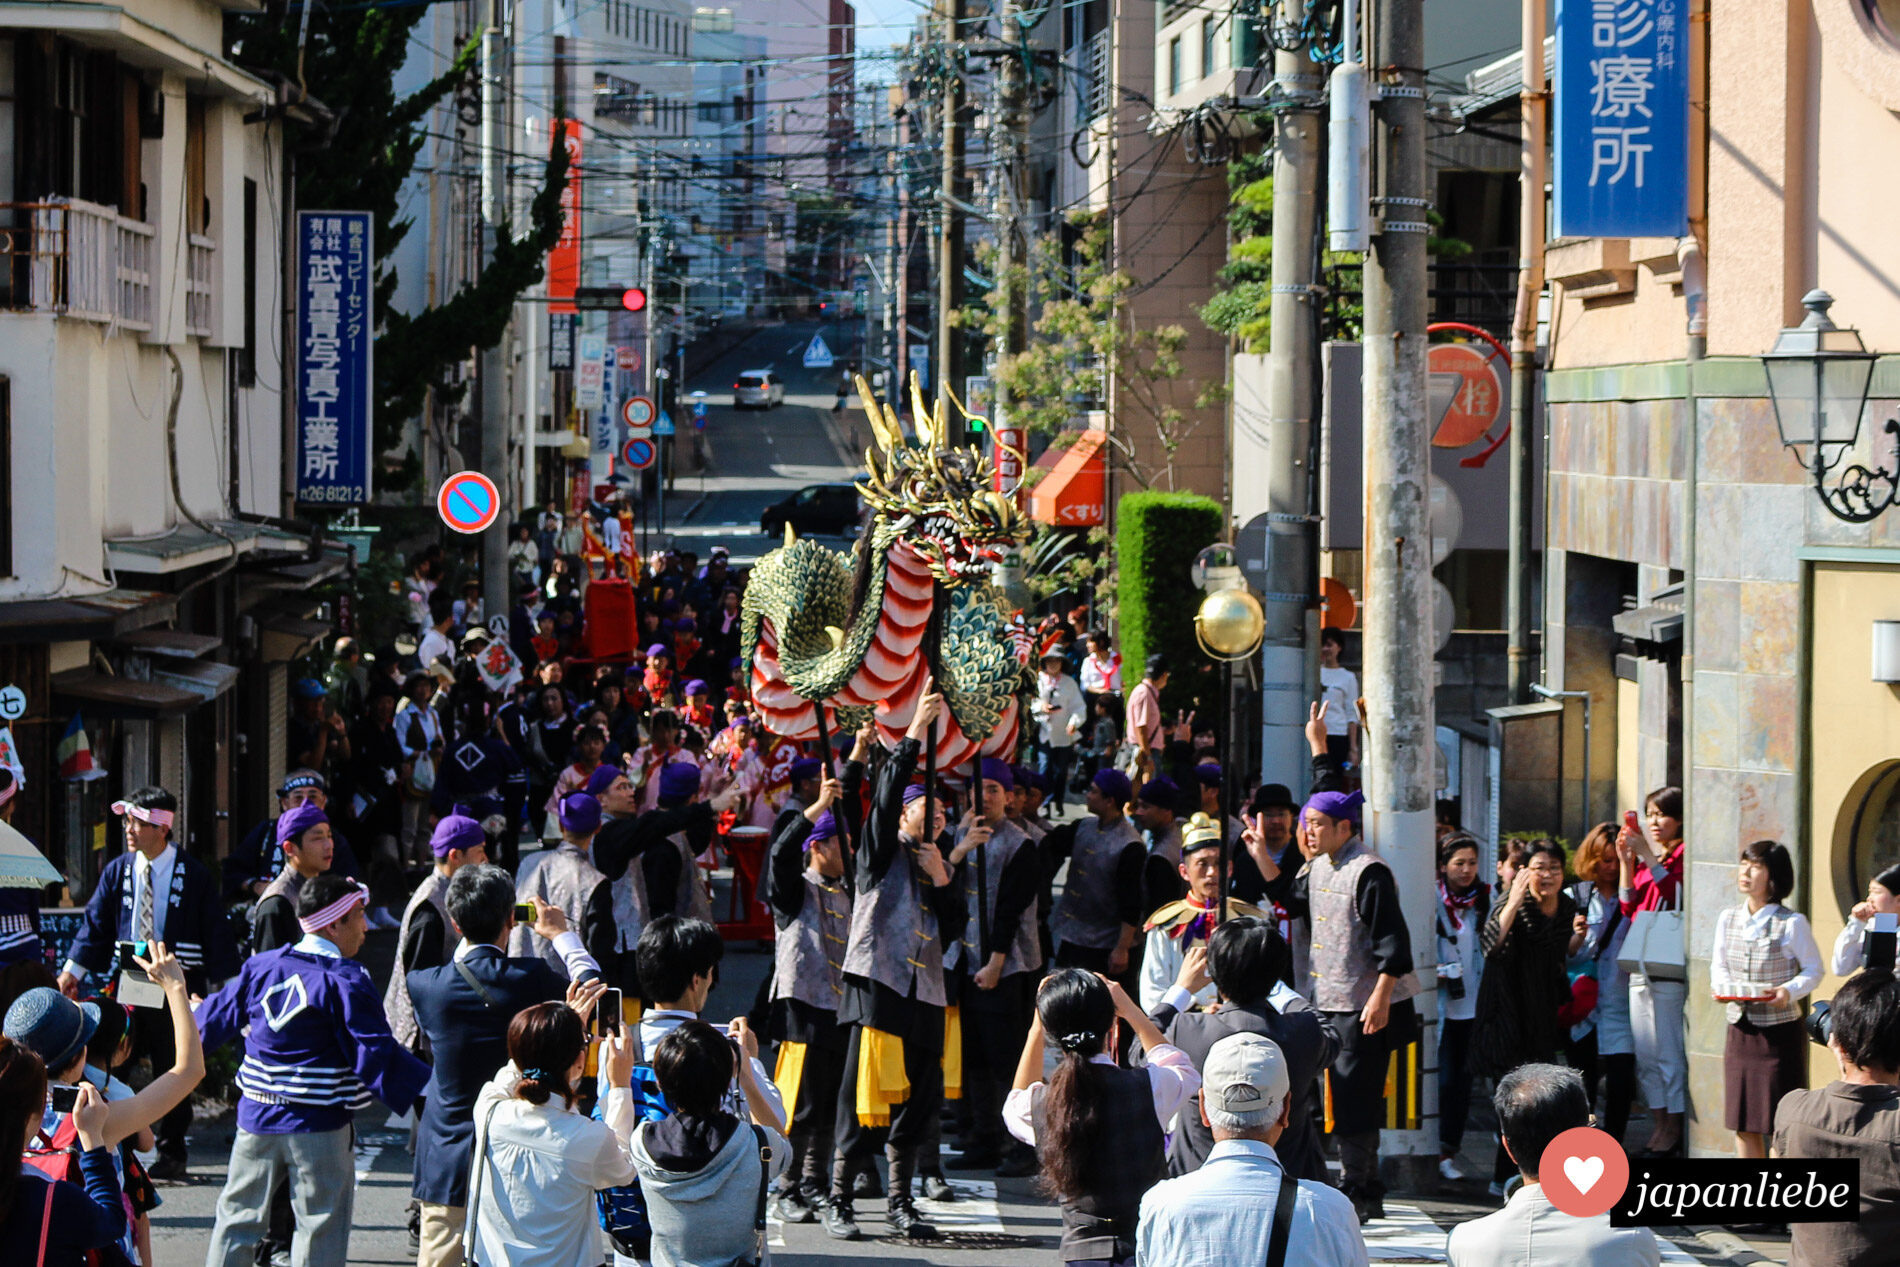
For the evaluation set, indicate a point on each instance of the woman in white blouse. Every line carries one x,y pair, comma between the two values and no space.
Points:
1098,1130
1764,962
1883,898
538,1162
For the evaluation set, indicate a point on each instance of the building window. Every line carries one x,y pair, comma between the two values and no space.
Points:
1210,47
1174,66
247,355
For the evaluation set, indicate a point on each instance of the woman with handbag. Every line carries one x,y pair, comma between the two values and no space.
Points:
1524,942
49,1222
1649,861
1764,962
1606,1052
538,1162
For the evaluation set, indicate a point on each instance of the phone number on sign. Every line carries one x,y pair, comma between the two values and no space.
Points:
333,493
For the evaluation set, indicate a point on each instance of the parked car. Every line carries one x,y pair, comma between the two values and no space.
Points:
757,389
832,508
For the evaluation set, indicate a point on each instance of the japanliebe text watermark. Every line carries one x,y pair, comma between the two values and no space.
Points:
1585,1173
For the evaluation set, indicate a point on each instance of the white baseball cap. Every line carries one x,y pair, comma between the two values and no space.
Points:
1245,1073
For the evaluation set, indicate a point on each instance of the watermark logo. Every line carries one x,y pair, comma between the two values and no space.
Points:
1584,1172
1669,1191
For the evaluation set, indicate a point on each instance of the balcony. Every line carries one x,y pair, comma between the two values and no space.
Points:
199,254
90,263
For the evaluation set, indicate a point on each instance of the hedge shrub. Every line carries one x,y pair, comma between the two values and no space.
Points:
1157,536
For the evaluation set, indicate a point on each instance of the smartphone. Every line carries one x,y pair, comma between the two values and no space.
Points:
608,1014
127,951
1632,822
524,913
65,1098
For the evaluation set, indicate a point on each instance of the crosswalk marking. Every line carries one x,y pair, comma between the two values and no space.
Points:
974,1210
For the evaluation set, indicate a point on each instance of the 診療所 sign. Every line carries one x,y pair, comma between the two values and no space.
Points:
1622,126
335,342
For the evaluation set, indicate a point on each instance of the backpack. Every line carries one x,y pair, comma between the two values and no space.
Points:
58,1159
623,1210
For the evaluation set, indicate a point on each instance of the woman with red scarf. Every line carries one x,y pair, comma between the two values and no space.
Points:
1463,906
1649,858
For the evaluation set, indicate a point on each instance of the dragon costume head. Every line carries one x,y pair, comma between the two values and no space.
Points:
937,498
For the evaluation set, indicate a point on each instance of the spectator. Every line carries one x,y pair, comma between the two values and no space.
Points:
1339,689
315,734
1247,960
378,771
1763,951
1525,941
1098,1129
60,1221
1857,1116
347,679
1103,736
1883,898
1607,1049
1656,1004
1464,906
678,963
703,1176
1146,732
1101,668
1240,1202
1061,712
1536,1103
436,644
523,559
464,1009
22,953
538,1162
419,731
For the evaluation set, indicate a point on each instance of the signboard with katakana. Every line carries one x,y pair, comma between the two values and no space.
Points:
1622,126
335,341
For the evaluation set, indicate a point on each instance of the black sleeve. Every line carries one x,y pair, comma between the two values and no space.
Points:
616,845
953,913
1290,889
1160,883
1377,904
1016,891
662,867
274,925
787,868
878,843
597,929
700,822
1163,1016
850,806
1328,774
428,935
1056,847
1129,891
242,864
1297,1009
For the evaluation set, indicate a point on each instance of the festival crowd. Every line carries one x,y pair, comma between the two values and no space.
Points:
1044,966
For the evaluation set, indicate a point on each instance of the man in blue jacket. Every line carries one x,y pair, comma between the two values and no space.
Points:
464,1008
317,1049
153,892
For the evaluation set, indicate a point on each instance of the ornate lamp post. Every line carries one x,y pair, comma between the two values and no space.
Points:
1229,626
1818,375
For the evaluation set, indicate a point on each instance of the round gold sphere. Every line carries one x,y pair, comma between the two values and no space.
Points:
1231,622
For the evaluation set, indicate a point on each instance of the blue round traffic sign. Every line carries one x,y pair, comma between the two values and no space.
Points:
468,502
639,453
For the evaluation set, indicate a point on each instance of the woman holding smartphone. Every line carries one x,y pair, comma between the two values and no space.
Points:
48,1220
1649,865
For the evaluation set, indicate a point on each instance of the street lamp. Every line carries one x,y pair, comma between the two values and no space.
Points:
1818,375
1229,626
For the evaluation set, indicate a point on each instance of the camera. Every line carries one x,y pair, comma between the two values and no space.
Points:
524,913
1451,976
1877,944
65,1098
1820,1023
608,1014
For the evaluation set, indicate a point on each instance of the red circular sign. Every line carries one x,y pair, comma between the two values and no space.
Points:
638,453
468,502
1480,398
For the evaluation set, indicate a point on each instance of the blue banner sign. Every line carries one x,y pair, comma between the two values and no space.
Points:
1622,126
335,341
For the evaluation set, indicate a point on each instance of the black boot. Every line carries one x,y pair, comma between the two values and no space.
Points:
790,1203
898,1211
839,1219
811,1181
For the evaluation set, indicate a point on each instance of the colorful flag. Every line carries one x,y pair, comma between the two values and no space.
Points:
10,757
75,754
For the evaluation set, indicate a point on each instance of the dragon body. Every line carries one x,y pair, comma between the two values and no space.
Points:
849,633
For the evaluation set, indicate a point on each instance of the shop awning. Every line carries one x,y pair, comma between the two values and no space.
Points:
189,546
108,614
298,574
109,696
287,637
1073,494
207,679
174,643
1659,620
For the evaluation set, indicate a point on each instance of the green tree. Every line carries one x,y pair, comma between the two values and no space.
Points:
348,60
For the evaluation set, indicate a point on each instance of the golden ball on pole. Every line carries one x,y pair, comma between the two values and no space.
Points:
1230,623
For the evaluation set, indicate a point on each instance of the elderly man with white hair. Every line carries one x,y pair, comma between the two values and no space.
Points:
1238,1207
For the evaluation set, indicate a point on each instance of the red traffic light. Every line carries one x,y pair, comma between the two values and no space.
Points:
634,299
607,298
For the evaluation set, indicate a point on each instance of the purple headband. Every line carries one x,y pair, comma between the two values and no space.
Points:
825,828
914,792
996,770
1336,804
601,779
293,823
456,831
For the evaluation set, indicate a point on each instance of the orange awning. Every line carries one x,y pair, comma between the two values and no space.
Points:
1074,493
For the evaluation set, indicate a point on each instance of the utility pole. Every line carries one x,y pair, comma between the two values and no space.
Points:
949,368
1011,114
1285,494
1400,745
494,409
1534,103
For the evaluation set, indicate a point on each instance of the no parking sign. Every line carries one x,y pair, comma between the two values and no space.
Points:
468,502
638,453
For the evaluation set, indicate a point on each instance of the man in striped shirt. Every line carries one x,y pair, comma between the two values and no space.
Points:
318,1048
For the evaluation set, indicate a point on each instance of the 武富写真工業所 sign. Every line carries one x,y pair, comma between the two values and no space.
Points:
335,342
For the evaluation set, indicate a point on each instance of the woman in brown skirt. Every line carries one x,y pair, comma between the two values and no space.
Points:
1765,961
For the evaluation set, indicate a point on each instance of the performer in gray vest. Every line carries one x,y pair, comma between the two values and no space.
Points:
565,877
1362,978
811,904
621,854
1096,922
1157,801
905,910
304,838
427,936
996,964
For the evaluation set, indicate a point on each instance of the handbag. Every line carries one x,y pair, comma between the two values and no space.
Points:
471,1223
1656,945
758,1218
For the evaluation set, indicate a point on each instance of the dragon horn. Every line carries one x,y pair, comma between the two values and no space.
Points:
791,537
881,425
920,414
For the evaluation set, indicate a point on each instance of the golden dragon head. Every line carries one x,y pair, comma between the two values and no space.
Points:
938,500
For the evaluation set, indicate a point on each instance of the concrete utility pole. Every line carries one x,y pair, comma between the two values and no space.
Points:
1400,745
1297,179
950,255
494,381
1534,104
1012,94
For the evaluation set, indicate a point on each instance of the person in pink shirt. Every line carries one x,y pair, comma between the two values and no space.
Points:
1649,858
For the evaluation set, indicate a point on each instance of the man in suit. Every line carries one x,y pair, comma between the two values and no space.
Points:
153,892
1536,1104
1247,958
463,1008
